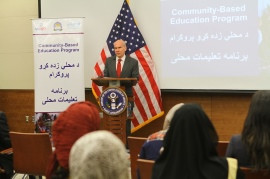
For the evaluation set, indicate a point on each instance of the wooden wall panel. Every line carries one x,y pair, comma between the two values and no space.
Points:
228,113
226,110
169,99
17,104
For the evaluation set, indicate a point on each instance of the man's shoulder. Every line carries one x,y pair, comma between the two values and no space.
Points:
111,58
131,59
236,139
2,115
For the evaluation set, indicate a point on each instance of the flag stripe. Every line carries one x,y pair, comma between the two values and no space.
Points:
146,47
103,56
140,107
149,86
147,97
96,90
150,76
98,70
143,101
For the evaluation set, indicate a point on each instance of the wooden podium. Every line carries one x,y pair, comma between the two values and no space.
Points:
114,122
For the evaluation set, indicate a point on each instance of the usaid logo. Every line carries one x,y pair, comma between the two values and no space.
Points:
57,26
113,101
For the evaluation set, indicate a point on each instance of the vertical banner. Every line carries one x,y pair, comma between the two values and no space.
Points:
59,67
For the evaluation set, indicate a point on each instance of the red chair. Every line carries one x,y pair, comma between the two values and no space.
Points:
222,147
145,168
31,152
135,145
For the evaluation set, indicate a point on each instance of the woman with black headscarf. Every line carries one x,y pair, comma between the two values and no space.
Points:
190,149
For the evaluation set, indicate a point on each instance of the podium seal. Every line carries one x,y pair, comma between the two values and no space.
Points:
113,101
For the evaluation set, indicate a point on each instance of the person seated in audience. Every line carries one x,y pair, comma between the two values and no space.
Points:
6,160
252,147
190,149
100,155
151,148
78,119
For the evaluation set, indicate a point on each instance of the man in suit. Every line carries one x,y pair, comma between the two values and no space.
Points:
6,160
129,65
128,69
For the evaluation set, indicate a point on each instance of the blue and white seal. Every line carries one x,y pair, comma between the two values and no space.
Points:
113,101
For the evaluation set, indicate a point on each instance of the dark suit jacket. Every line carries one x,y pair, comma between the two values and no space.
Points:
236,149
4,132
6,161
129,70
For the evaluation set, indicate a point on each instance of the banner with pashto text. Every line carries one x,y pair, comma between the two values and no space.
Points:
58,67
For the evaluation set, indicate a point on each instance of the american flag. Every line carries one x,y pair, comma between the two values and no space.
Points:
148,104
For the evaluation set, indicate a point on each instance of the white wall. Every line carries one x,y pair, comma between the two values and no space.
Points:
16,44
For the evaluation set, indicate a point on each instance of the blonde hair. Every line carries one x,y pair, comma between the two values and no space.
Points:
170,115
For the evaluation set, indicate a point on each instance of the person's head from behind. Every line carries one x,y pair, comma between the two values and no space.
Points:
120,48
191,127
189,143
170,115
256,130
78,119
98,155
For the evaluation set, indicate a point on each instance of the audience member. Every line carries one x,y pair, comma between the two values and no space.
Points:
190,149
151,148
6,160
252,147
78,119
99,155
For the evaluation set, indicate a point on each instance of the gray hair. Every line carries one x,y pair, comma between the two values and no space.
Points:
98,155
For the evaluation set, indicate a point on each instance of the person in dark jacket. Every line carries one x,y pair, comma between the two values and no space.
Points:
6,160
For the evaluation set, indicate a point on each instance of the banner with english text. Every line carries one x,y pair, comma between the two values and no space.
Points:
58,67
